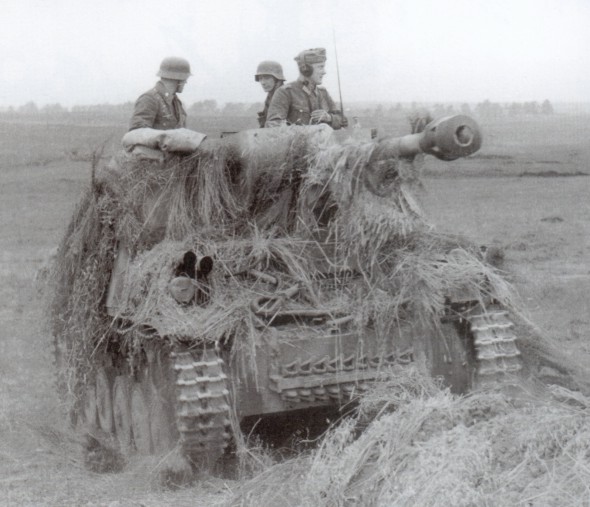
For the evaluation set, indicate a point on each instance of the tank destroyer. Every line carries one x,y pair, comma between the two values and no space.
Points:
270,271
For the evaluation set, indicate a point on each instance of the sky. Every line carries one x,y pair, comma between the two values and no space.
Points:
80,52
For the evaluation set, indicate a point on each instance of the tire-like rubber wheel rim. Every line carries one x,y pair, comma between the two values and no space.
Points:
140,421
122,413
104,401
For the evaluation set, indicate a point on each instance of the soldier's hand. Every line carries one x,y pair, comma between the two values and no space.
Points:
320,116
344,122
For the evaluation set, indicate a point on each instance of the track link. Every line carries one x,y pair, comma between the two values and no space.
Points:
496,352
202,408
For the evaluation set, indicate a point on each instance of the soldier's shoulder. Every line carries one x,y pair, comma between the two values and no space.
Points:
282,91
148,95
152,91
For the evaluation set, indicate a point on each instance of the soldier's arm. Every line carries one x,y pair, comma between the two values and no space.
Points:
183,115
338,119
278,109
144,113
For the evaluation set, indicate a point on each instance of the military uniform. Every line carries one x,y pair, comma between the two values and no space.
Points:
273,69
263,115
293,103
158,109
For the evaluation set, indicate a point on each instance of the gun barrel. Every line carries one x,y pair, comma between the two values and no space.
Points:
447,138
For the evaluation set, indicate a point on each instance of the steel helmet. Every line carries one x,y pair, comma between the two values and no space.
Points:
174,67
269,68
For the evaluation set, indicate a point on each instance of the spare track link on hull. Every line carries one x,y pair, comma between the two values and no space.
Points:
202,408
495,346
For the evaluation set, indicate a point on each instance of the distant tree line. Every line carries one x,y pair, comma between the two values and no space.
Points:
93,114
210,107
494,109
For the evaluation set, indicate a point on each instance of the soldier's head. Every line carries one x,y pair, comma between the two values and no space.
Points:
312,64
269,74
174,72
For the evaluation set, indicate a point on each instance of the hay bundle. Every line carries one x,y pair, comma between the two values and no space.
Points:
266,209
436,449
153,200
79,278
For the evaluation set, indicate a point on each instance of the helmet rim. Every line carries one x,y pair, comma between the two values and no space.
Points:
269,68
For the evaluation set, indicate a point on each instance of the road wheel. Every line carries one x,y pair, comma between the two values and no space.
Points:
63,371
60,364
140,422
161,431
122,413
104,401
89,408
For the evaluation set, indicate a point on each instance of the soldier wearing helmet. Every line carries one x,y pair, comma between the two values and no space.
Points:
160,108
304,101
270,76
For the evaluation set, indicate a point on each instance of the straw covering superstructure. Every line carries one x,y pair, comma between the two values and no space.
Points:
299,207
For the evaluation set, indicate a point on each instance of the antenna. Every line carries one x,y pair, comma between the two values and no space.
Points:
337,70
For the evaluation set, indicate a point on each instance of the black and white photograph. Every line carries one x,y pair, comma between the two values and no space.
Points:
280,253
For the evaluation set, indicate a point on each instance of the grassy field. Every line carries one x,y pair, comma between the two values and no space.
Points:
526,190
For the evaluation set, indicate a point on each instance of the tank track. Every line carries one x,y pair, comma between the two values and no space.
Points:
202,408
497,355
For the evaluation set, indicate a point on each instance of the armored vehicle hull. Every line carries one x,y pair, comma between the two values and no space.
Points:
269,271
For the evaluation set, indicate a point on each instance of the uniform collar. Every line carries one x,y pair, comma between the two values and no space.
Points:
308,86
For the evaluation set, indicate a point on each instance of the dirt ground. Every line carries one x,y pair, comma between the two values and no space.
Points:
532,202
543,224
